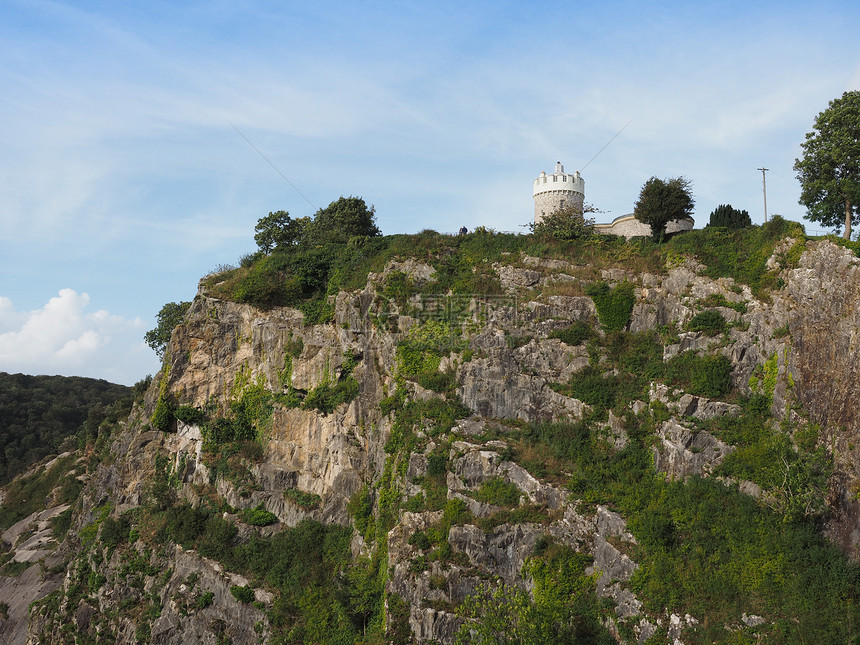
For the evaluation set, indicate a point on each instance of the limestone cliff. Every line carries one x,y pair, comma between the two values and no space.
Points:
473,499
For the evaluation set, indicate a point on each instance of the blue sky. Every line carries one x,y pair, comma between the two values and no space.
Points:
123,180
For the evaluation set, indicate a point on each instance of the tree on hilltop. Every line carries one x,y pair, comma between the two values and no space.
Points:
662,201
279,231
829,171
335,224
342,219
730,217
566,223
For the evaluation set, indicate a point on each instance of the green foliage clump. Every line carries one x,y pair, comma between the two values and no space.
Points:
279,231
360,507
242,594
258,516
498,491
434,416
576,334
764,378
310,259
302,498
729,217
114,531
709,376
168,317
593,388
326,396
709,322
719,300
614,306
567,223
441,382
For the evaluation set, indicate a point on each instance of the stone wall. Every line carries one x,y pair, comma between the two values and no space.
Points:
629,226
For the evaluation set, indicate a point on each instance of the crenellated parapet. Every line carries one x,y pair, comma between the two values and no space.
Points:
556,191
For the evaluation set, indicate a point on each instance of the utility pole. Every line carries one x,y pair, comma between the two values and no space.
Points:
764,190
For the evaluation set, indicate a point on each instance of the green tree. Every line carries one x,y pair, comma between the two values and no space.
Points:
567,223
662,201
168,318
342,219
278,231
730,217
829,171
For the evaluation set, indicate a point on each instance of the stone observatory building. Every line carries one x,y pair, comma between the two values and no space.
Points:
558,190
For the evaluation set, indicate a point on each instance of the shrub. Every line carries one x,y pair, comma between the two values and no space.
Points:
614,306
709,376
326,396
710,322
303,499
114,532
205,600
437,381
499,492
258,516
162,418
420,541
242,594
575,334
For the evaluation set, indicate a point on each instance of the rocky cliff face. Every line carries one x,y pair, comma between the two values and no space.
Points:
797,347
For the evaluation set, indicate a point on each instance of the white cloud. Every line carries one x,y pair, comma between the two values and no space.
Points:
63,338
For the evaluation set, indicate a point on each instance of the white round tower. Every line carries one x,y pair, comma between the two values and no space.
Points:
556,191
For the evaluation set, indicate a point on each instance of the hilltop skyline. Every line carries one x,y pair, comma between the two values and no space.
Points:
127,175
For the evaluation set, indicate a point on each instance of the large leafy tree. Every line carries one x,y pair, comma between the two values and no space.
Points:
168,318
342,219
279,231
662,201
829,171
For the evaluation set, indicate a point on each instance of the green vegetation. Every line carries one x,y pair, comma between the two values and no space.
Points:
614,306
576,334
568,223
32,492
499,492
258,516
729,217
709,322
662,201
829,172
41,415
168,317
302,499
242,594
702,547
739,254
565,608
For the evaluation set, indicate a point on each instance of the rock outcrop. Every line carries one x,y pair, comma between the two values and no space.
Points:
507,372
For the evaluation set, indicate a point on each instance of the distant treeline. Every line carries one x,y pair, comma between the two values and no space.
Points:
39,414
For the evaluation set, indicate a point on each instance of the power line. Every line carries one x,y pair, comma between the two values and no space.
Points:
604,147
277,170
